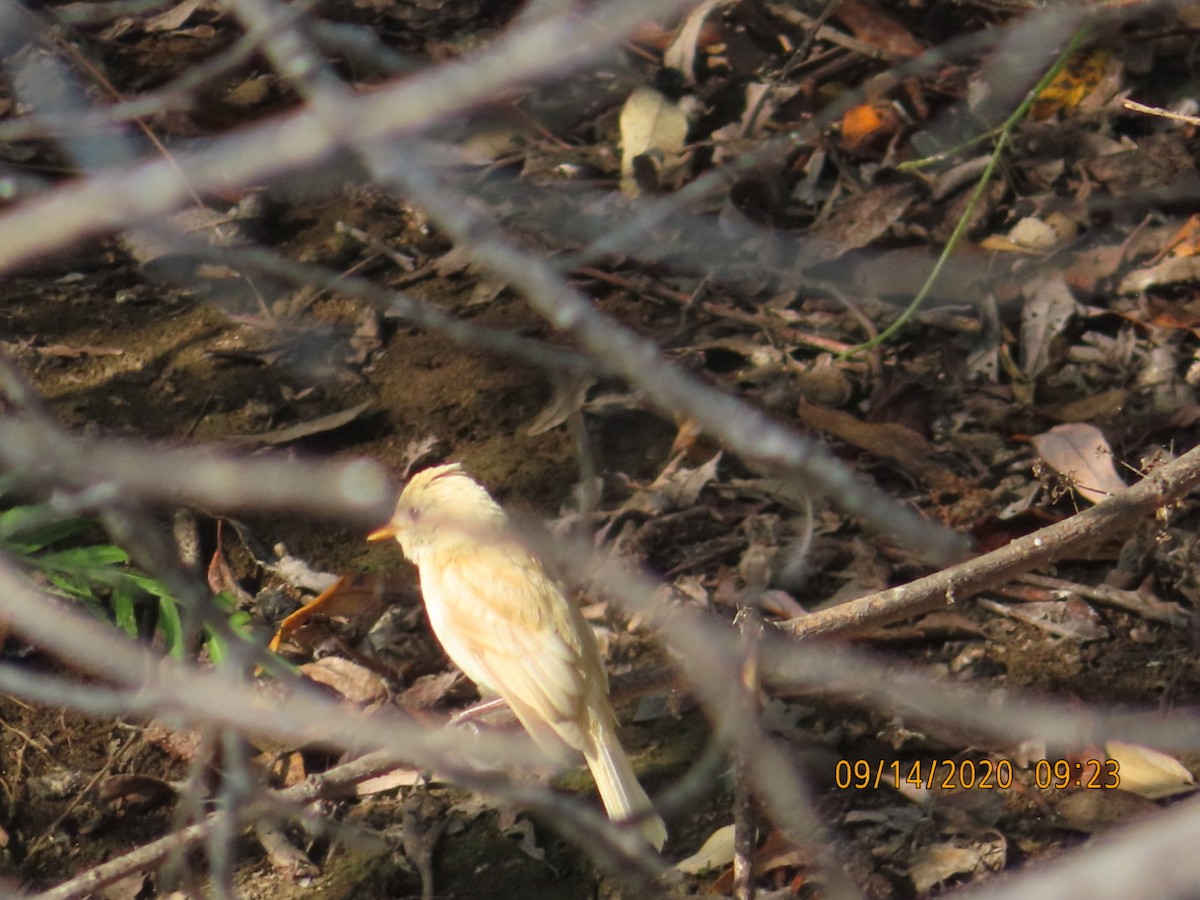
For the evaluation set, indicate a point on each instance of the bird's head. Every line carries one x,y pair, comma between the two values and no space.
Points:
440,509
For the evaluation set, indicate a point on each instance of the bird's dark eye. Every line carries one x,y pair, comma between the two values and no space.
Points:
413,513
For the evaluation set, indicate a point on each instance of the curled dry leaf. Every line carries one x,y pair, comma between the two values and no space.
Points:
680,487
907,448
306,429
650,121
716,852
173,19
356,683
1081,454
776,852
1149,773
1048,309
963,854
681,54
134,793
353,605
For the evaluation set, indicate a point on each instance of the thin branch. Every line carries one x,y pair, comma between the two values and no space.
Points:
1161,488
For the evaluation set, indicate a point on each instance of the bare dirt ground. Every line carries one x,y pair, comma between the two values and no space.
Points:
1053,362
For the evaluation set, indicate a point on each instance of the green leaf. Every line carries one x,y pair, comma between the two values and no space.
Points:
150,585
78,588
124,601
170,626
99,577
25,529
82,559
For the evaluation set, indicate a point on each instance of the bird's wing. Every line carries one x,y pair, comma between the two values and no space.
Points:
509,627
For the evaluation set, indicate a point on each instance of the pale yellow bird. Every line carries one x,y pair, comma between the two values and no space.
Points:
512,631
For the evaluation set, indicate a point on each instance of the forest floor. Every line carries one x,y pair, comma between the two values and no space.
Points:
1070,302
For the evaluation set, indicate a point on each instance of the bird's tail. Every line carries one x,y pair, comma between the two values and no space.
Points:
619,788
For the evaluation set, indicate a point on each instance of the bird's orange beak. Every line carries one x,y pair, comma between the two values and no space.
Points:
382,534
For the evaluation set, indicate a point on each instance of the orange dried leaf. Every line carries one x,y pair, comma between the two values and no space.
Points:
1186,241
355,598
867,123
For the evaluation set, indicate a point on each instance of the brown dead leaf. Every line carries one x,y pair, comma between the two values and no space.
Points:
962,854
356,683
182,744
777,852
1181,313
1081,454
135,793
1185,241
1048,307
888,440
1094,407
428,690
306,429
220,574
873,26
1094,811
861,220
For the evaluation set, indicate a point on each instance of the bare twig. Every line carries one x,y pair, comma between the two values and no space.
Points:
1131,601
1160,488
745,821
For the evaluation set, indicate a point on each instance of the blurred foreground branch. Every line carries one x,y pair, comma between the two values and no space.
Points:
357,491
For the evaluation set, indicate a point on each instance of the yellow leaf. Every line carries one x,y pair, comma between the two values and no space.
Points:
1078,78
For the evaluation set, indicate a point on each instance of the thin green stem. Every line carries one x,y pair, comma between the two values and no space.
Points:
960,228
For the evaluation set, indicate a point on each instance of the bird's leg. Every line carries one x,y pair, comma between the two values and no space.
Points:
476,710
